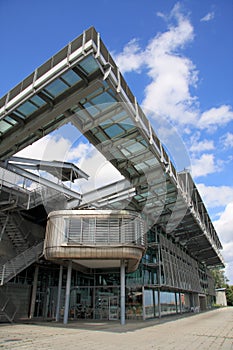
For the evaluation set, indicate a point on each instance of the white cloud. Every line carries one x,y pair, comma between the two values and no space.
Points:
224,228
208,17
101,171
131,59
228,258
172,75
227,140
79,152
84,155
224,225
204,165
215,196
204,145
216,117
47,148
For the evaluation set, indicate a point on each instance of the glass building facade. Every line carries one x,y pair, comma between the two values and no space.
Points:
82,85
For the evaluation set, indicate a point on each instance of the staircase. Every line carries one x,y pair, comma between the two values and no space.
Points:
20,262
11,228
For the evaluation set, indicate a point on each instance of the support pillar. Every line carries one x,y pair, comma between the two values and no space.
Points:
176,302
143,303
193,302
122,292
34,289
67,300
154,303
180,303
59,294
159,303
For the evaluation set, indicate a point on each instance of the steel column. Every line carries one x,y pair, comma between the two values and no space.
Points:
122,292
34,289
67,301
59,294
159,303
180,302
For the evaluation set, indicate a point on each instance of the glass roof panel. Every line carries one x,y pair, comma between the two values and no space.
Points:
10,120
18,114
91,109
81,114
131,171
135,147
119,116
117,154
71,77
152,161
89,65
92,94
125,152
4,126
37,101
127,127
27,108
128,121
101,137
141,166
104,101
56,88
114,130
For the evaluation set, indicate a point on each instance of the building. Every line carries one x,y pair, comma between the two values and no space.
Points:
138,248
221,298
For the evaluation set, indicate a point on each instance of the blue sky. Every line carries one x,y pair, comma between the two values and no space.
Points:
177,59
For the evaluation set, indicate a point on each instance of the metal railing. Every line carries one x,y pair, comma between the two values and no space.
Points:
17,264
105,231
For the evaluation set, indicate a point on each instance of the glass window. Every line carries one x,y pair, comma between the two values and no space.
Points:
149,303
89,65
71,77
56,88
27,108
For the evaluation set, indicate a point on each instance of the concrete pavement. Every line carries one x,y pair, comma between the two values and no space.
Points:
209,330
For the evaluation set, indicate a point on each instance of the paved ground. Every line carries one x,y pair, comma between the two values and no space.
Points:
210,330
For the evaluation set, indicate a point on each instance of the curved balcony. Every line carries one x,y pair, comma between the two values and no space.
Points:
95,238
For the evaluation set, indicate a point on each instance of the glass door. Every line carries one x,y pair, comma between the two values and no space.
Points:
113,308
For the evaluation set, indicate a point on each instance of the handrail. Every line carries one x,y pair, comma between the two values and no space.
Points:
20,262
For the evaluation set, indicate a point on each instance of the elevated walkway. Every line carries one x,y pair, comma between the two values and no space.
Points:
81,84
